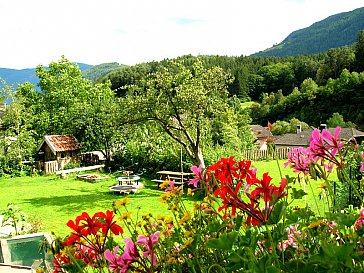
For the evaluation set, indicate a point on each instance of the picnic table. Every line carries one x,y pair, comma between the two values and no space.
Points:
127,184
179,178
128,180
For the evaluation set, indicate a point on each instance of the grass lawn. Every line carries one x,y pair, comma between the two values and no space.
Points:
53,201
314,199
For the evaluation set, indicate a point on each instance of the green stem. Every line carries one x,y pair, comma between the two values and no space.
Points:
275,255
270,147
314,197
332,196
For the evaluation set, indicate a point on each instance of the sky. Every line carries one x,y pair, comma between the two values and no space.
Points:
37,32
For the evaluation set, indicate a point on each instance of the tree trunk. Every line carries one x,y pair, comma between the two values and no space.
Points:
199,158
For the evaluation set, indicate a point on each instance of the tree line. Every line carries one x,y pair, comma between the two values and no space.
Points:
259,79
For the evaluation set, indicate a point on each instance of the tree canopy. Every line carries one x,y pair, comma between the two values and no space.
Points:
181,101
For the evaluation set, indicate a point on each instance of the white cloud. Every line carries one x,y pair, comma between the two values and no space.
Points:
134,31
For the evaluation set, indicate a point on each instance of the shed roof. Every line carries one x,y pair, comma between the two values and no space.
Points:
61,143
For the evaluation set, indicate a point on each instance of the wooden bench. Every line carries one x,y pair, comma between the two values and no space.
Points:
62,173
179,178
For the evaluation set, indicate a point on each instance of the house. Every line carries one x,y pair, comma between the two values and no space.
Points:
261,136
302,137
56,151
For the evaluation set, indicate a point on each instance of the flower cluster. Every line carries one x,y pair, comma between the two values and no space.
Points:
231,176
359,224
123,263
88,239
324,147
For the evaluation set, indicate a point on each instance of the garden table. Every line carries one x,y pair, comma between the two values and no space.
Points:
128,180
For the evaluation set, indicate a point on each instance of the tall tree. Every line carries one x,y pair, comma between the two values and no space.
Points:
181,101
17,137
71,104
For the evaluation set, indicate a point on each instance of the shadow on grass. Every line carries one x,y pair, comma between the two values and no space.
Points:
71,201
88,199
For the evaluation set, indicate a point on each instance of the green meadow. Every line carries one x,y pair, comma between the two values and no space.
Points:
51,201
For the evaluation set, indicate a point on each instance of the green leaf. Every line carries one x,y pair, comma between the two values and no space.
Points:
214,226
297,194
277,212
238,222
225,242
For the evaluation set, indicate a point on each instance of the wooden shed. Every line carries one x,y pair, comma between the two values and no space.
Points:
56,151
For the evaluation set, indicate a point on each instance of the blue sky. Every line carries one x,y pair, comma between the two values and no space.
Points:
135,31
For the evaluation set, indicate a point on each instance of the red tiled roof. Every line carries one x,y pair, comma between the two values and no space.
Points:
62,143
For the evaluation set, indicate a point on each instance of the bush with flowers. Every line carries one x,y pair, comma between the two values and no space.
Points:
242,222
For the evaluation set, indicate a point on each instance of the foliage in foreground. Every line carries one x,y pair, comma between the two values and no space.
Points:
242,223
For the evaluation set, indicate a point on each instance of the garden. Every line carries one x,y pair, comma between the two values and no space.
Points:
235,216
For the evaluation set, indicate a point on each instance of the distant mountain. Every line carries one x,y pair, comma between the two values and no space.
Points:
16,76
98,71
335,31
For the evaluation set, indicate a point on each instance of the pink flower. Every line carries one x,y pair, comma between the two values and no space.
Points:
299,159
198,171
326,146
117,263
362,164
360,222
171,187
149,243
131,253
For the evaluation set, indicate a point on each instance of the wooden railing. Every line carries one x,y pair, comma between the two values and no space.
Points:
50,166
280,153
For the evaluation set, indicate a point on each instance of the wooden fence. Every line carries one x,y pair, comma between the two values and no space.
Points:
280,153
50,166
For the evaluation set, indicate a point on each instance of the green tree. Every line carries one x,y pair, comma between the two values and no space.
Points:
280,127
181,101
337,59
71,104
278,76
336,120
17,137
359,52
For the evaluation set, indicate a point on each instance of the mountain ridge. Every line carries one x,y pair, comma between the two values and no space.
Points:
337,30
14,76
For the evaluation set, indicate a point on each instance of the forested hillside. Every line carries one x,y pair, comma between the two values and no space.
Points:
311,87
97,71
335,31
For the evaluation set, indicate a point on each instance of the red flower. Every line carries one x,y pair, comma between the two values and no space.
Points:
107,223
83,226
231,175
